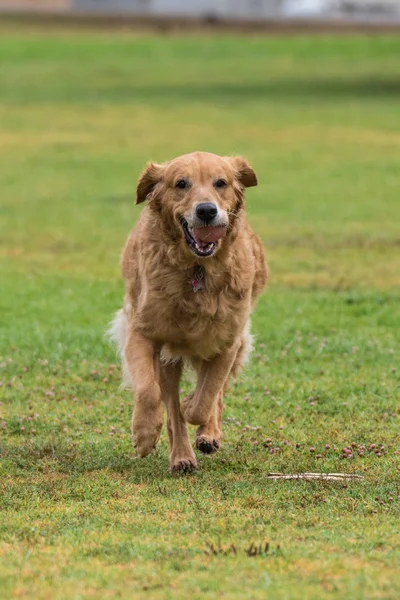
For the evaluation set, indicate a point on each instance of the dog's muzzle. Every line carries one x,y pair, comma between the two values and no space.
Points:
203,241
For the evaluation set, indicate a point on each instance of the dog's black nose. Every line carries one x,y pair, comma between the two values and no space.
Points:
206,211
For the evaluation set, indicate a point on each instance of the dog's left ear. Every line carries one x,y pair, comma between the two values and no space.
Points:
244,171
147,181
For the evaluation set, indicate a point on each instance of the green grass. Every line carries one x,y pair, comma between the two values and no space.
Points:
318,118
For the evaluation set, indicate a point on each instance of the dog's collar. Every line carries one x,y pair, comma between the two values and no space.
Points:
198,276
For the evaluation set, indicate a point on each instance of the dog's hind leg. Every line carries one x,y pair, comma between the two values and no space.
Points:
181,455
143,363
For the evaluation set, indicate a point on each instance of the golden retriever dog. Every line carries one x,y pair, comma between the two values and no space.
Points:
193,269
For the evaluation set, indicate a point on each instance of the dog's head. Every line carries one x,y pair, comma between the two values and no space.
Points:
198,197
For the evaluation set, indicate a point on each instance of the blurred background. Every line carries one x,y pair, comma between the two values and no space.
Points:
245,10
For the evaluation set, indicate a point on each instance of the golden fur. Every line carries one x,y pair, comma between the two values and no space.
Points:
164,323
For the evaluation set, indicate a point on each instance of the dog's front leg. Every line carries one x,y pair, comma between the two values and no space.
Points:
198,408
143,362
181,455
209,436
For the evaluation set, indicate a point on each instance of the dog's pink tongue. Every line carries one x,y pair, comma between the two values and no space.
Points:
209,234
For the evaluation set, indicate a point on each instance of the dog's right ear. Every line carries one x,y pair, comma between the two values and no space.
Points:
147,181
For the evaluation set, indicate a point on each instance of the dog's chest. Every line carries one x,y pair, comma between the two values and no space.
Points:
193,314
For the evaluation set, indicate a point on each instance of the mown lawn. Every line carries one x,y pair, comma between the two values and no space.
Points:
319,119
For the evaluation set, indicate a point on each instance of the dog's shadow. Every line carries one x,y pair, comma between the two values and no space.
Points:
49,456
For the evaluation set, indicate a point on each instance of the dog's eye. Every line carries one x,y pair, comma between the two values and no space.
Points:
181,184
220,183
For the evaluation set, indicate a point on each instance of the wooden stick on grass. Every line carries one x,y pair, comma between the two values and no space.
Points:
310,476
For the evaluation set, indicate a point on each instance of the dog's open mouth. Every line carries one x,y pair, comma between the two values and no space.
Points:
203,241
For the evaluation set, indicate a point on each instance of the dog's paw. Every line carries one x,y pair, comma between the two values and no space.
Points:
207,445
183,465
182,459
145,439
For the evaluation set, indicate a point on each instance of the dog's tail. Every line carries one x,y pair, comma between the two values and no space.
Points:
117,333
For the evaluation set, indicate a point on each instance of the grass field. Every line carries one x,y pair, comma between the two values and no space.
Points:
319,120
